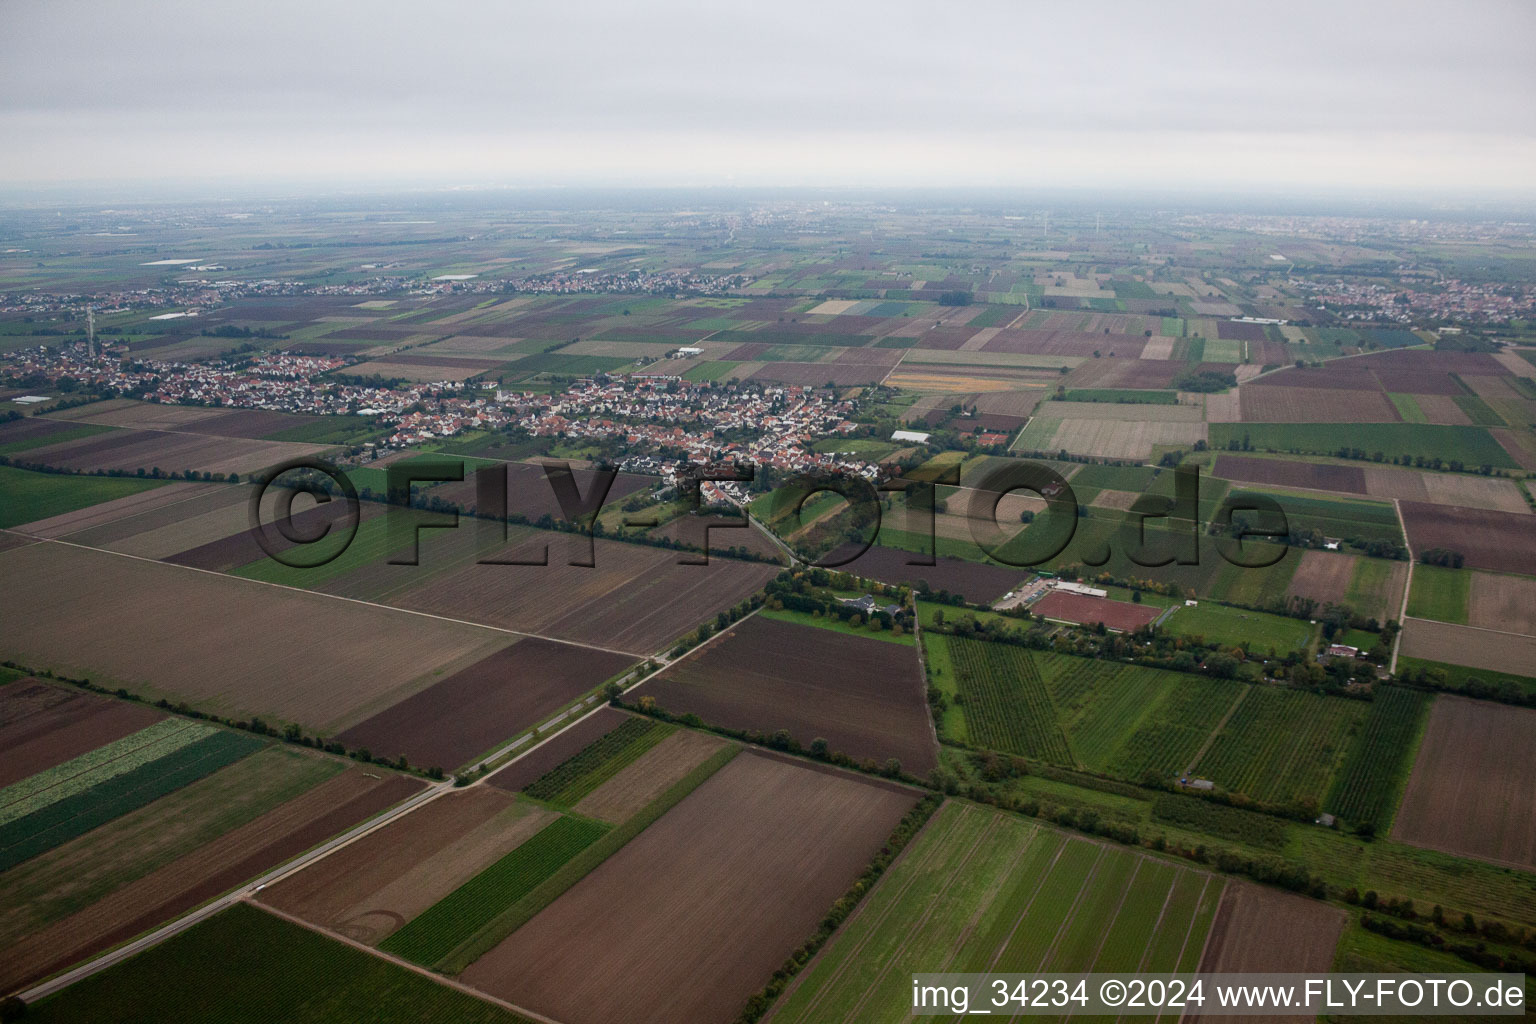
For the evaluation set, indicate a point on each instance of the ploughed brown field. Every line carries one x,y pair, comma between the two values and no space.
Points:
1473,788
1262,930
1315,405
722,533
1469,646
553,752
129,449
246,423
691,917
866,698
43,725
1088,610
214,868
1315,476
635,599
368,889
649,775
976,581
470,712
1501,541
226,645
1324,576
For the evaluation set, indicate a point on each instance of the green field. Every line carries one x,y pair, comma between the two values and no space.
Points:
432,934
1439,593
1006,704
1370,784
47,821
941,676
1350,519
75,432
1368,593
983,890
507,918
1125,720
1458,676
1281,745
599,762
1128,396
27,496
244,966
1472,446
1237,627
1479,412
76,874
1408,408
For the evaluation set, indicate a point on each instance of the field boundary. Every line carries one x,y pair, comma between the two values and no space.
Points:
579,866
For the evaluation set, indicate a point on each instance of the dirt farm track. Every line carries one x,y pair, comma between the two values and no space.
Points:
759,851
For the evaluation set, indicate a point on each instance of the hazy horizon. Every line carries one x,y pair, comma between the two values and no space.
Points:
1392,97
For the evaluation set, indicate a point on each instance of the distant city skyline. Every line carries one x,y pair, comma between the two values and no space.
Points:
1392,96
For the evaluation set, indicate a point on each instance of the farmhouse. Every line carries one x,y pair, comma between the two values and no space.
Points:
867,605
1342,651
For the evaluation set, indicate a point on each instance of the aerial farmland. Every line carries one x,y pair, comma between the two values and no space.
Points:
575,608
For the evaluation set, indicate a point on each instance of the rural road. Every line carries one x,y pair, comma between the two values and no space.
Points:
181,924
570,718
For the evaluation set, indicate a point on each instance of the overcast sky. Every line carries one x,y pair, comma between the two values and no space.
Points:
1404,94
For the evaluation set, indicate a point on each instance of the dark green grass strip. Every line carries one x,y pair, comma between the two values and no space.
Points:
579,866
599,762
56,824
435,931
245,966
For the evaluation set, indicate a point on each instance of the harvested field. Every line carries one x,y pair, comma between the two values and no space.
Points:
124,412
422,373
763,840
1323,576
119,628
469,713
1475,492
238,855
818,374
978,582
637,599
370,888
129,449
552,753
43,725
1473,788
1499,601
1501,541
1315,476
766,675
1315,405
1261,930
164,530
649,775
1131,413
1088,610
1469,646
1116,438
126,507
